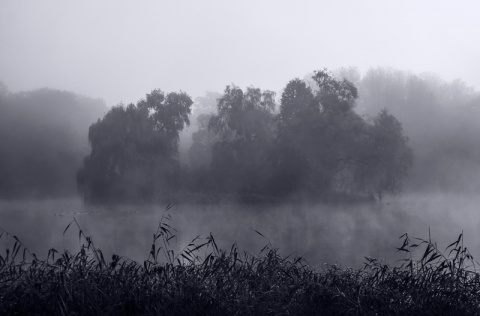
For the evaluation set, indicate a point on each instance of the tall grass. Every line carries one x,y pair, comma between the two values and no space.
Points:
202,279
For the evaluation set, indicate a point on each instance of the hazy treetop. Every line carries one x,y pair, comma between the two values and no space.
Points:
117,50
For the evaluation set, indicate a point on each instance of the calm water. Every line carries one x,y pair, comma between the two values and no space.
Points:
321,233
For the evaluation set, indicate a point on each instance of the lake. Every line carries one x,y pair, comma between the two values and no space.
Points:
322,233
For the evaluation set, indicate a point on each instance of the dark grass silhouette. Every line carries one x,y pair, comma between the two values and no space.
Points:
205,280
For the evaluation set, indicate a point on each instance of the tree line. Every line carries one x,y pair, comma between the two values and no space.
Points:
439,117
43,139
312,144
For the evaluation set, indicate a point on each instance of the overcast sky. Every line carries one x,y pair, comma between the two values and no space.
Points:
121,50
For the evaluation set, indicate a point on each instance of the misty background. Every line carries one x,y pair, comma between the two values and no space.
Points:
64,66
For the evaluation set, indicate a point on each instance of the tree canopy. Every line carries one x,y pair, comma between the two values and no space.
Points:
43,138
134,154
244,127
315,146
327,135
440,119
311,144
325,147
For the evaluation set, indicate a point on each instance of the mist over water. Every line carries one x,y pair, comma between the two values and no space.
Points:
322,233
440,120
329,133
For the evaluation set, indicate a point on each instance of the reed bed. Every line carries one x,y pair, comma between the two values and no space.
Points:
205,280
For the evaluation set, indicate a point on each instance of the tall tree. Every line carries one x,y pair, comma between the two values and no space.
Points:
316,130
244,125
135,150
296,129
386,157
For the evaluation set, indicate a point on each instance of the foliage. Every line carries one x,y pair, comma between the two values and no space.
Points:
203,279
385,156
325,147
334,95
205,104
315,146
297,125
43,137
135,150
244,117
200,152
439,117
244,126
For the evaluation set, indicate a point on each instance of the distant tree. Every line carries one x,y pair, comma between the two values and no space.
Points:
43,139
203,139
200,153
206,104
351,74
440,119
135,150
169,115
244,125
337,96
386,157
323,146
244,117
298,111
297,125
317,131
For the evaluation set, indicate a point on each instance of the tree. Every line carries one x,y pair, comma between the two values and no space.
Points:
298,112
441,121
244,117
43,139
351,74
381,87
296,130
168,115
386,157
200,152
244,125
203,139
334,95
134,153
206,104
316,130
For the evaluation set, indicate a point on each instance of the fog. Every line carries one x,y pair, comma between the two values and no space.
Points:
43,141
439,195
321,233
119,50
77,80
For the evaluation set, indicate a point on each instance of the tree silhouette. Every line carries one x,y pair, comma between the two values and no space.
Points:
245,128
134,153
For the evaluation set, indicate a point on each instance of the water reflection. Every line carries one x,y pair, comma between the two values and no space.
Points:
321,233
